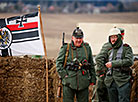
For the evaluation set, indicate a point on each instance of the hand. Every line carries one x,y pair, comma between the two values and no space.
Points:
101,75
66,76
108,64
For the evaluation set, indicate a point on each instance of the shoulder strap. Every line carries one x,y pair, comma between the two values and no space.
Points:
119,53
111,55
66,55
85,51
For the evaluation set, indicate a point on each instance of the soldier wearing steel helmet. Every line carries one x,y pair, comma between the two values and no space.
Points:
101,90
119,59
79,72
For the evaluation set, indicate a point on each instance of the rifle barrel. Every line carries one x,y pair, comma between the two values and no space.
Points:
63,39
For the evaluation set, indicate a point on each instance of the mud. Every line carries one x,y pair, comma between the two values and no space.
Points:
24,80
134,89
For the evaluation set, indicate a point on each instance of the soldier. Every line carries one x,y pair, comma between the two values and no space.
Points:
76,68
102,94
120,58
101,90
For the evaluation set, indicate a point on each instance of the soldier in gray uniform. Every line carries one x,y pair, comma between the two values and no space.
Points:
78,72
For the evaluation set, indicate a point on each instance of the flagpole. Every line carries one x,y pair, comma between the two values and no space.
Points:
44,45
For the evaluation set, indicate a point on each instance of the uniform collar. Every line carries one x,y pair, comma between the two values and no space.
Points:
74,47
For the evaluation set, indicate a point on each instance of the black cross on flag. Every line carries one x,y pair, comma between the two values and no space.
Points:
21,21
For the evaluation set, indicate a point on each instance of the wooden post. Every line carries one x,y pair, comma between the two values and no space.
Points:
44,45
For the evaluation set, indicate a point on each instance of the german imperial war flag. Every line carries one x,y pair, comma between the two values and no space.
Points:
20,35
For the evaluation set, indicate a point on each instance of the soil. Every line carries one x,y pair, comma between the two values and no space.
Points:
134,88
23,79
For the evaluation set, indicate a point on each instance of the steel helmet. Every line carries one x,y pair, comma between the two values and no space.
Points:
114,31
78,33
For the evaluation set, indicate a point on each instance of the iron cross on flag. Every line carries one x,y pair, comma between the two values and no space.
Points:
22,19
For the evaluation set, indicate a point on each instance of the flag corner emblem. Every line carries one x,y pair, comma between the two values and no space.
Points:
5,38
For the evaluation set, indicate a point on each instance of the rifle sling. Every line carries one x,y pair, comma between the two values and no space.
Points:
66,55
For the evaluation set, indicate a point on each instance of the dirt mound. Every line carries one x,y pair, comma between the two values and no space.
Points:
134,89
23,80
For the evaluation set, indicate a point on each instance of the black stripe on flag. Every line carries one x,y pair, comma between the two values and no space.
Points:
26,40
24,29
31,15
25,16
25,35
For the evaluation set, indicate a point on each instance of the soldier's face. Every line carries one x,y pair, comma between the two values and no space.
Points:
113,39
77,41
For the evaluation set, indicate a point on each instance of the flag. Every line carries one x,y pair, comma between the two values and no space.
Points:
21,35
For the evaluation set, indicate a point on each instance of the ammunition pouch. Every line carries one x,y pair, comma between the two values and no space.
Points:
72,67
85,65
75,67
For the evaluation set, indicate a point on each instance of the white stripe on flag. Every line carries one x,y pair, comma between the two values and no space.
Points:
24,31
20,40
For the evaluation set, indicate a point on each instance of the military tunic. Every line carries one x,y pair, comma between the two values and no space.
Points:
101,91
126,60
101,59
118,83
76,79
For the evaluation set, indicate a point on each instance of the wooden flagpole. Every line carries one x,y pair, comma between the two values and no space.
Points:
44,45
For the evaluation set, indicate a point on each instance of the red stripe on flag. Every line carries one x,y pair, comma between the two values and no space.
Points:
26,26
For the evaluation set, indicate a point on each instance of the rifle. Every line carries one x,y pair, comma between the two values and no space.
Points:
60,80
63,38
59,89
